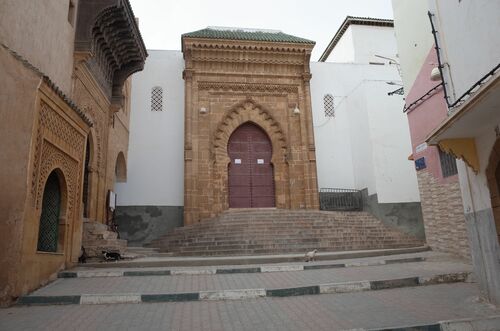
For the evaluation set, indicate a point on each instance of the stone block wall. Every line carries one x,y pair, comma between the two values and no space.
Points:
444,220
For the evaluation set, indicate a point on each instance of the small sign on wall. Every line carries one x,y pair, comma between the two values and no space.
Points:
420,163
260,161
420,147
237,161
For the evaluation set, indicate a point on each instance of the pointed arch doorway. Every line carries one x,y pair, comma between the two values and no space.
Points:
250,172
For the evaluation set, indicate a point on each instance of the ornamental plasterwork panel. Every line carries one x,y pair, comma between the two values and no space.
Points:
49,121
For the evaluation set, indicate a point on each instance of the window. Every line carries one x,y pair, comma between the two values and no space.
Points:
448,164
328,104
156,99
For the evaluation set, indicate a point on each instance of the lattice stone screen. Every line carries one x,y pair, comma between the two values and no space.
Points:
49,220
156,99
329,106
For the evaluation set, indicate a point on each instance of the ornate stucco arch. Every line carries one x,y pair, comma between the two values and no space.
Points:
248,111
244,112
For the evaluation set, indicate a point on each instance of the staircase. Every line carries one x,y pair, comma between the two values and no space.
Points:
279,231
97,238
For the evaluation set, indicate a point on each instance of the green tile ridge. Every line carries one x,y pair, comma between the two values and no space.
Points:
244,34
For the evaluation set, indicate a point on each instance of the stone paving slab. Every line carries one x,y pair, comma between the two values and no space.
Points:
427,255
97,272
362,310
244,294
271,280
187,261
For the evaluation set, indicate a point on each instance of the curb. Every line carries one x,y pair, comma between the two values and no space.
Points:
242,294
212,271
490,323
189,261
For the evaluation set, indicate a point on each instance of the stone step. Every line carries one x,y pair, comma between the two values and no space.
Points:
282,231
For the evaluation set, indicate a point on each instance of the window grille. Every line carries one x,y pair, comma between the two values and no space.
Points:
156,99
49,219
448,164
329,106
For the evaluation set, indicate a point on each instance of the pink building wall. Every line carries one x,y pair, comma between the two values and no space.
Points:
424,117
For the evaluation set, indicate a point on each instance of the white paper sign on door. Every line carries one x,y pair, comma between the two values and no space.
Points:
237,161
260,161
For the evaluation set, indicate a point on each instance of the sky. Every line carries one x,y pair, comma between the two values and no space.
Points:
163,21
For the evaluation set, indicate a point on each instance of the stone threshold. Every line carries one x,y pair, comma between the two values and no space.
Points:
194,261
243,294
213,271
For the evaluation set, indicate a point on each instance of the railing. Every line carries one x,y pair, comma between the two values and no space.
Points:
340,199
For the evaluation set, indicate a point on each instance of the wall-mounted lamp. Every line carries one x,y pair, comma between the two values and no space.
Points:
203,110
435,74
296,111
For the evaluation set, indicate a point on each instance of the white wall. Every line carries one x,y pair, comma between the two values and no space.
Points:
367,143
413,36
155,173
360,43
468,34
395,175
373,40
344,50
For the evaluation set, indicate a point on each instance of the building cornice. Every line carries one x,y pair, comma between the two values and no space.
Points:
107,29
352,20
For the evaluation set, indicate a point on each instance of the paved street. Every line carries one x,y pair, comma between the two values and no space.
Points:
190,283
406,306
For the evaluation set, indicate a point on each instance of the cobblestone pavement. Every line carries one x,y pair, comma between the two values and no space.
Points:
194,283
396,307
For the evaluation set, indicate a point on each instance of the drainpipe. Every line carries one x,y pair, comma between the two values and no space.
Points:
440,63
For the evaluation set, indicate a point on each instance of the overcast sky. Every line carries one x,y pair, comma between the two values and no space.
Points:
163,21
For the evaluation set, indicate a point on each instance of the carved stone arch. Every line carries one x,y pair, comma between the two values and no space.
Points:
96,132
53,158
248,111
244,112
120,168
53,212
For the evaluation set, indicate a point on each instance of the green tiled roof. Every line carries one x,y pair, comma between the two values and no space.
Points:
246,34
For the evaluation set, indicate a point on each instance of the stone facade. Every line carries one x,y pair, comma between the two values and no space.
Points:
55,113
231,82
445,227
42,134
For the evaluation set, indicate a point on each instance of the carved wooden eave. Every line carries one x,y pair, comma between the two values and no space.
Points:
108,32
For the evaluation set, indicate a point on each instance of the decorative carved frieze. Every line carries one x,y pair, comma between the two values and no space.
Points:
108,31
70,138
54,158
58,126
247,47
225,86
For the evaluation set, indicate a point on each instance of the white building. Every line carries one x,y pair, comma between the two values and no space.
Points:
467,55
361,134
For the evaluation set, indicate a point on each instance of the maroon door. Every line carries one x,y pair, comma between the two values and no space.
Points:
251,180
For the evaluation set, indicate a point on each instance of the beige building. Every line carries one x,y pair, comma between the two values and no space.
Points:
64,111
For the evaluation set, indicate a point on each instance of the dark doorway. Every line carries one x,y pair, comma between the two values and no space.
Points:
251,179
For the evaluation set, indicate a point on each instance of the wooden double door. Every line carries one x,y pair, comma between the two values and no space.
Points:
251,177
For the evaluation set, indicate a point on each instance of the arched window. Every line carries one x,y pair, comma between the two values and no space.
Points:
329,106
49,219
156,98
